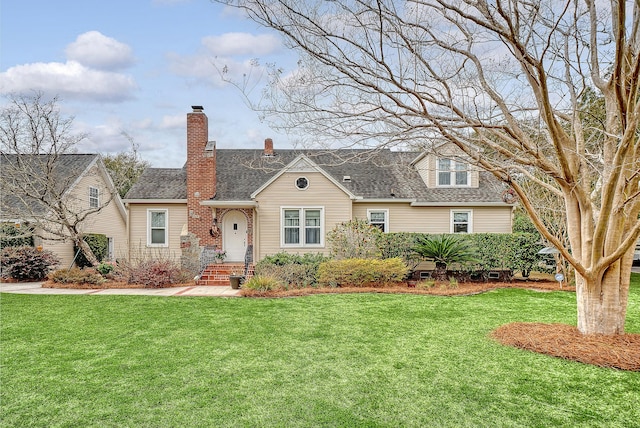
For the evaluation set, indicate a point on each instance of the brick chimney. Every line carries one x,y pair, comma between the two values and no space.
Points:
201,175
268,147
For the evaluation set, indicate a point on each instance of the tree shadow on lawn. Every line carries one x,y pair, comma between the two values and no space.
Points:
557,340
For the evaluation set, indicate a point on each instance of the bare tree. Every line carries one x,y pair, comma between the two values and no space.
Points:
125,167
39,170
502,80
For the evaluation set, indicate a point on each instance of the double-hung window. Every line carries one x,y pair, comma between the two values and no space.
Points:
379,219
94,197
452,173
461,221
157,233
302,227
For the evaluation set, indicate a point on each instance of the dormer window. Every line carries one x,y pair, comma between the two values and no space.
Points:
453,173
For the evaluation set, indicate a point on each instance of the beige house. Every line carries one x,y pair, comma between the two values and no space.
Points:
83,187
252,203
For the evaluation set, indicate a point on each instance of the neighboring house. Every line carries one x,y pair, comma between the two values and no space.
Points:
82,185
253,203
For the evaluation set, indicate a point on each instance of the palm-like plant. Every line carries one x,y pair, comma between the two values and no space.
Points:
444,250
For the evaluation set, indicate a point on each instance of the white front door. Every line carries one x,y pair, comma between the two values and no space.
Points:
234,235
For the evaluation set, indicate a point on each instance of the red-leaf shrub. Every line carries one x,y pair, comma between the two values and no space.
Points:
26,263
156,273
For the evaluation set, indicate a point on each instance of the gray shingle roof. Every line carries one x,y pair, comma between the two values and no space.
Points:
382,174
160,183
64,170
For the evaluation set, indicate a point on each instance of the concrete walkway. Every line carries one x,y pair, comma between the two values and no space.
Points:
36,288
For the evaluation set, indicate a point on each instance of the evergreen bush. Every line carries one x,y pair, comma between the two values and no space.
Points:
12,236
362,272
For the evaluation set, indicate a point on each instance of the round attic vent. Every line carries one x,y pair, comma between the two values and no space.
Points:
302,183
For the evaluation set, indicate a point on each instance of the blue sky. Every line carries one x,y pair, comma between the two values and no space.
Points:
138,66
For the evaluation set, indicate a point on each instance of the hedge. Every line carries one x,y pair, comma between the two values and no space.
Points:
361,272
98,243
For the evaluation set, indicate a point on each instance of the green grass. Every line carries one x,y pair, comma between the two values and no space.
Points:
360,360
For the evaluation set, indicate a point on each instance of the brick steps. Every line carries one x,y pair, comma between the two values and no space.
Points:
218,274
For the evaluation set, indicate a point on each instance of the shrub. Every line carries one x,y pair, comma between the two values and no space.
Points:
12,236
522,224
293,275
292,270
156,273
26,263
77,276
399,244
354,239
510,252
361,272
99,245
525,252
495,250
263,283
106,268
445,250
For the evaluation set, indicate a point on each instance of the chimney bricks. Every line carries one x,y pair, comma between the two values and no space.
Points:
268,147
201,174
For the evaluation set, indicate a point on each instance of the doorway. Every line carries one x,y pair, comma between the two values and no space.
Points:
234,235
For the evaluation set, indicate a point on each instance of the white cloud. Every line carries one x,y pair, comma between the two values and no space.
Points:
171,122
236,55
96,50
69,80
236,44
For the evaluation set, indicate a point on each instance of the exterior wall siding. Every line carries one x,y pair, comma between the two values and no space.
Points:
405,218
138,231
108,221
283,193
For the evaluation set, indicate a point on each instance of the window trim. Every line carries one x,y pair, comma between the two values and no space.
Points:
452,172
111,249
166,227
386,217
469,220
94,198
301,226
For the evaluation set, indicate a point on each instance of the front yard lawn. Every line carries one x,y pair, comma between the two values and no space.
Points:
375,360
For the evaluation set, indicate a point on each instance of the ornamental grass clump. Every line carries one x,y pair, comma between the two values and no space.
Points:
362,272
263,283
77,276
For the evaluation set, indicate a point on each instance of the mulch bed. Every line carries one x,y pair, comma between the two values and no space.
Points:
444,289
108,285
621,351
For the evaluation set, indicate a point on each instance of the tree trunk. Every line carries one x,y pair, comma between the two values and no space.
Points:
440,272
602,305
88,253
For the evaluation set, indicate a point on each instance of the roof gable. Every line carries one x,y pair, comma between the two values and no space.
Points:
65,170
302,164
